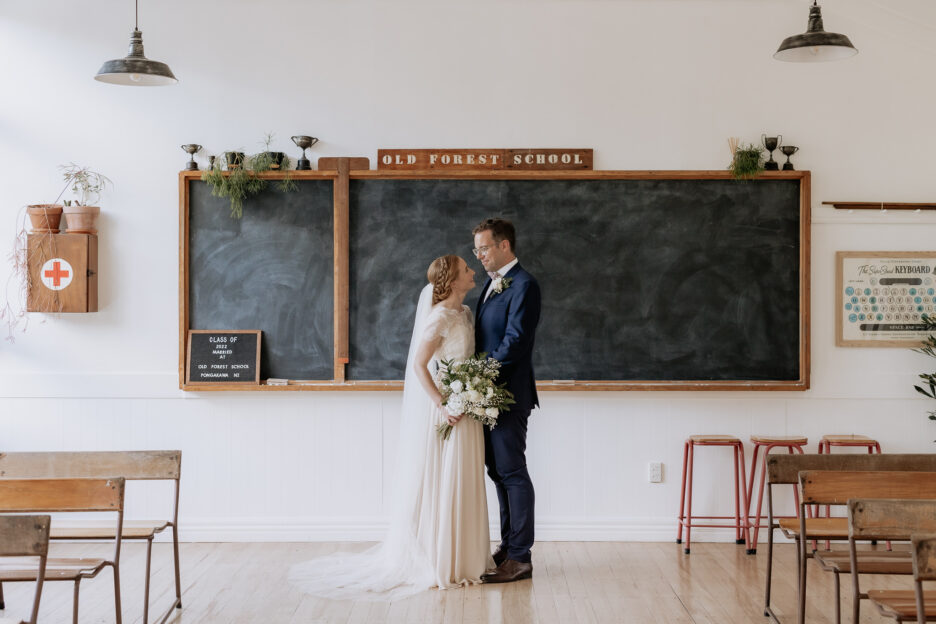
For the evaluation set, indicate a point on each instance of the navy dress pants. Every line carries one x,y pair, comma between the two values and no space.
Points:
505,457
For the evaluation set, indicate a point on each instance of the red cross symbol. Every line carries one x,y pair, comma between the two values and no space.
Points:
57,273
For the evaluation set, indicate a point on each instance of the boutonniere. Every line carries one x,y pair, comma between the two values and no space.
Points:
500,285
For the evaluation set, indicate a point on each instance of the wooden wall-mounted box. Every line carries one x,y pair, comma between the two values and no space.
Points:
62,273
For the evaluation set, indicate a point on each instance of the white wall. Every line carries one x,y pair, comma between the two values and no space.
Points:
648,85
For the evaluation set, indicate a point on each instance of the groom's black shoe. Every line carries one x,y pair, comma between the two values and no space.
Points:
508,572
500,556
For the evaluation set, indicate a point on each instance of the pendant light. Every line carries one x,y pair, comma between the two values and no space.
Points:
815,45
135,69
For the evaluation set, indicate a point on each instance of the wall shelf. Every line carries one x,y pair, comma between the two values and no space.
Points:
878,206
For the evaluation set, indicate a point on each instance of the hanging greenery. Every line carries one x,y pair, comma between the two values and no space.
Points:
241,181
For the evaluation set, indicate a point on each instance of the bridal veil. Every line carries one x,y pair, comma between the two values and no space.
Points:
400,565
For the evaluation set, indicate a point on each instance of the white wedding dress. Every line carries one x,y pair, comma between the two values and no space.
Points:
438,535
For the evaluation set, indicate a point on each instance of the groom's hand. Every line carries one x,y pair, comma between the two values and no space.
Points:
453,420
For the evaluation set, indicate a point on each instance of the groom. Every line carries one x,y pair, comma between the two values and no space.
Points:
506,318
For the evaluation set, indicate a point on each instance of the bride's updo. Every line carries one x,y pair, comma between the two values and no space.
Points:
442,272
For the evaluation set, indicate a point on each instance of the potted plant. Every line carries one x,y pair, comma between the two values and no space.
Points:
747,162
234,160
87,185
928,389
269,160
45,217
241,181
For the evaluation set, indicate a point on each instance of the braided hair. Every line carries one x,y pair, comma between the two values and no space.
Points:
442,272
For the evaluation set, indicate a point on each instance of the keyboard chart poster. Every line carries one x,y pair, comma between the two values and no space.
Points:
882,297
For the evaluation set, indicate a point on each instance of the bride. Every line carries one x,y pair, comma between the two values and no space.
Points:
438,535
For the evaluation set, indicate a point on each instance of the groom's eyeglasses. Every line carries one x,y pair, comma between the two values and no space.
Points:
477,251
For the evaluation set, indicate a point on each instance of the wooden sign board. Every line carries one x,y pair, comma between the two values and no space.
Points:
223,356
484,159
62,272
330,163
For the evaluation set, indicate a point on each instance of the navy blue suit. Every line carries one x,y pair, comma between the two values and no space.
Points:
505,327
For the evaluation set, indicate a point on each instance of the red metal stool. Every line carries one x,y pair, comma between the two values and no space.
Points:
828,441
791,443
853,440
685,502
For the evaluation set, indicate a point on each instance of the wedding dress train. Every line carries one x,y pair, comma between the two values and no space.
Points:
438,534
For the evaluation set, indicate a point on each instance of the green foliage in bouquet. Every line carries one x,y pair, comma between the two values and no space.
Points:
469,387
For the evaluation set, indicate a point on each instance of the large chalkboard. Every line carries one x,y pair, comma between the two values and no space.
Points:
270,270
642,279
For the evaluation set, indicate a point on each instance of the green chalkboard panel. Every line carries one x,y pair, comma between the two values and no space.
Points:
642,279
270,270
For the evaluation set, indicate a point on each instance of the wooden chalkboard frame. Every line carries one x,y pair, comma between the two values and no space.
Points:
341,176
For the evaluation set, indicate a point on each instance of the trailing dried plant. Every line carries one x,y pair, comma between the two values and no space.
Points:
13,313
242,182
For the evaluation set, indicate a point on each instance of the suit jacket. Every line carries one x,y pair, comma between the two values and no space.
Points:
505,326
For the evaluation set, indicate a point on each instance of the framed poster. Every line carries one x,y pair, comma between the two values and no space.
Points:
882,295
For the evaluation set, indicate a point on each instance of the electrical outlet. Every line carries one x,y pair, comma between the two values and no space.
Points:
655,472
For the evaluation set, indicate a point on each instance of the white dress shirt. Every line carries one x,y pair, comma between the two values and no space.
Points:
502,272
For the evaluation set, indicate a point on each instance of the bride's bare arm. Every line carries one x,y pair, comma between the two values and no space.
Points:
420,366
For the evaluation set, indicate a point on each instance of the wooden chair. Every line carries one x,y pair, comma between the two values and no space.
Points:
26,536
785,469
836,488
66,495
898,520
131,465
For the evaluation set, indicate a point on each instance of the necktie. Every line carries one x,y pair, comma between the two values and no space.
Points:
493,275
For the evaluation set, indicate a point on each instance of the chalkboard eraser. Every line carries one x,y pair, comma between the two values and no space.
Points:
563,381
273,381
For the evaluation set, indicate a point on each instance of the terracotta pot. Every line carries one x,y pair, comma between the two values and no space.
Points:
81,219
45,217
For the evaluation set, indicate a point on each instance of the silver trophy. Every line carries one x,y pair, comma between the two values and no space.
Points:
304,142
191,149
788,150
771,143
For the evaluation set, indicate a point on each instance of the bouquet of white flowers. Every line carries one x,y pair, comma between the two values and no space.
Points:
468,387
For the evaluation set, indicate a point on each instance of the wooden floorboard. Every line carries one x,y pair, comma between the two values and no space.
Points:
573,583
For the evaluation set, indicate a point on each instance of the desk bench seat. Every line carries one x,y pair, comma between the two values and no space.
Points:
869,562
25,569
142,531
824,528
901,603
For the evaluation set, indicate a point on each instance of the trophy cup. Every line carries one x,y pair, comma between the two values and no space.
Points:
211,162
788,150
771,143
191,149
304,142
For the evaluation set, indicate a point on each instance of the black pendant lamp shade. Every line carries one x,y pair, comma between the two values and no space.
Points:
815,45
135,69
